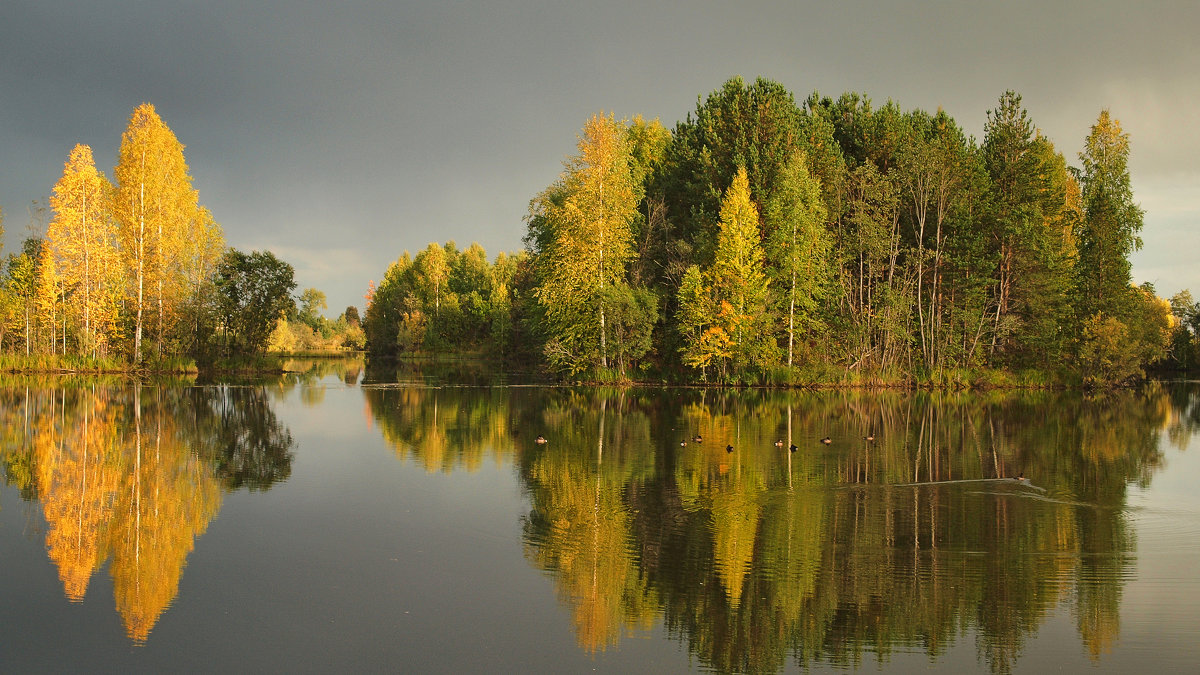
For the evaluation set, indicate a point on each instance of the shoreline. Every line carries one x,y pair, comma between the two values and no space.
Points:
274,365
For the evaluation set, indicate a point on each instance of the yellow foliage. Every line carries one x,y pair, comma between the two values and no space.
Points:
138,494
83,239
154,206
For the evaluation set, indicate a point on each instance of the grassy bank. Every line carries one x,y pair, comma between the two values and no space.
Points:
58,364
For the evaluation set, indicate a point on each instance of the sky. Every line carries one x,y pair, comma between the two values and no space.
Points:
338,135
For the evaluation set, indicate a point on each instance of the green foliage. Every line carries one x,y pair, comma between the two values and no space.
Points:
860,244
799,248
1150,325
1184,350
753,127
253,292
1111,220
312,301
582,241
448,300
632,314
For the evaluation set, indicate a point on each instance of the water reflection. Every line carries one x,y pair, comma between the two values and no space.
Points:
444,429
133,475
309,372
909,531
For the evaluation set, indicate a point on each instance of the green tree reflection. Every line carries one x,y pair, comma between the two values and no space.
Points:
908,532
443,429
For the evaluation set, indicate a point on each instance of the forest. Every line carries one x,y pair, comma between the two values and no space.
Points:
828,241
135,273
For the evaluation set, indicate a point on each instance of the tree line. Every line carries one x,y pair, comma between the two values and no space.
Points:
769,240
136,269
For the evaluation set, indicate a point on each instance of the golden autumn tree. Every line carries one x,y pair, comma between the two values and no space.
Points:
724,313
154,205
83,240
46,297
581,226
203,246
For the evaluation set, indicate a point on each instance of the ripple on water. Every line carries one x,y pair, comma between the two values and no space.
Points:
1179,527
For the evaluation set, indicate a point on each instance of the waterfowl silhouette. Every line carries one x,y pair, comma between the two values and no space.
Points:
728,448
779,443
540,440
682,443
827,440
792,447
869,437
697,439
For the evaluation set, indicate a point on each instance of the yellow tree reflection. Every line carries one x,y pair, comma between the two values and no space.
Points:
580,526
165,502
116,477
78,482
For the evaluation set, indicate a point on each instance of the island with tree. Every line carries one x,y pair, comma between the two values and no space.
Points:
826,242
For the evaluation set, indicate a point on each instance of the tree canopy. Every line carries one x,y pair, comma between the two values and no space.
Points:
833,240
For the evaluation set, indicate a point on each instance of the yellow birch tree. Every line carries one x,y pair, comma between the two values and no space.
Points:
46,298
582,225
83,241
201,252
154,204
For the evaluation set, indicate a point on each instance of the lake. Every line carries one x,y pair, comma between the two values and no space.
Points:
335,519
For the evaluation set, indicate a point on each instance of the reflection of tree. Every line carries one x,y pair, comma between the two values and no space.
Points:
307,375
79,484
135,473
237,429
579,527
167,500
443,429
833,554
1184,411
435,372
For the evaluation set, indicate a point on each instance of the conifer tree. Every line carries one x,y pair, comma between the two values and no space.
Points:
738,282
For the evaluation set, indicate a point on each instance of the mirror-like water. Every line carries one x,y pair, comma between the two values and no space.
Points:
319,523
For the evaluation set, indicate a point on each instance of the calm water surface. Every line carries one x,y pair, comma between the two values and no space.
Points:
330,521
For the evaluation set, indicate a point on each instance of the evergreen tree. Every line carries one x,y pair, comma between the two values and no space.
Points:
751,127
739,335
1031,254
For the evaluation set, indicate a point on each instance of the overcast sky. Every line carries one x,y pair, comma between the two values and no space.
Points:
338,135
